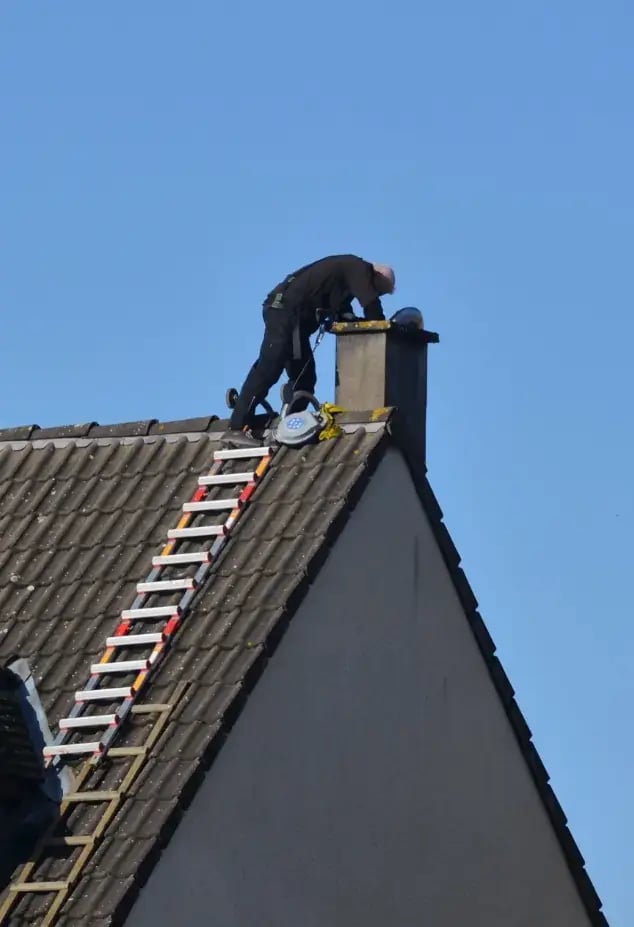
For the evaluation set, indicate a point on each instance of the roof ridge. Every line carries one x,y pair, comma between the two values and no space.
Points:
93,429
155,427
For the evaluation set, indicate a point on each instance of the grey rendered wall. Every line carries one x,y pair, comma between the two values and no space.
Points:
372,779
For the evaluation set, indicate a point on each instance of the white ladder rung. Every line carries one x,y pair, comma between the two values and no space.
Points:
163,611
157,611
202,556
213,505
94,695
68,724
242,452
166,585
218,479
123,666
66,749
205,531
125,640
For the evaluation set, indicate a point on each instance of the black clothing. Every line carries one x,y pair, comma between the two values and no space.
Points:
330,285
276,355
292,311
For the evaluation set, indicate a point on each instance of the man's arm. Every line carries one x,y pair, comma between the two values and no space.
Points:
359,277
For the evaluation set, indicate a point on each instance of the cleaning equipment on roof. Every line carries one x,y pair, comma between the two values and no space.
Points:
331,429
298,428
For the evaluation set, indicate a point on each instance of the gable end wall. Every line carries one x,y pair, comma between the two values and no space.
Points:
373,776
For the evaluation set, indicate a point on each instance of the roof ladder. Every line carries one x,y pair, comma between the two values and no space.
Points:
207,520
105,802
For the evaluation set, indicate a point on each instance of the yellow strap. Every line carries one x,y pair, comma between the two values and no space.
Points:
330,429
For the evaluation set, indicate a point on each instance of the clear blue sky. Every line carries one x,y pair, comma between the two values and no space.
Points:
163,164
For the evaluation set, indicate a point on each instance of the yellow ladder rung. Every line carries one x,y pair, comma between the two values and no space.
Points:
126,751
70,840
38,886
149,708
91,796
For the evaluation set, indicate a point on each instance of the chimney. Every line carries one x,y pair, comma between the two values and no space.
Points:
385,364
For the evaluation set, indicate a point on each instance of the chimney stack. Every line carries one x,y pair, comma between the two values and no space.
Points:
385,364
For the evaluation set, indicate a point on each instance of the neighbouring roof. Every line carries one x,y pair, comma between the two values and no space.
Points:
82,511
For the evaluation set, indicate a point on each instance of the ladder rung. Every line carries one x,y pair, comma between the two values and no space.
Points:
121,666
70,841
156,611
69,749
213,505
67,724
202,532
127,751
127,640
243,452
94,695
218,479
38,886
202,556
150,708
103,795
166,585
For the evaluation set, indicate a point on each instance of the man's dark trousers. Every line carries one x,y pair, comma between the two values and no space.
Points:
276,355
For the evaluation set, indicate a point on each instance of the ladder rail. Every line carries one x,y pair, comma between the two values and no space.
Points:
144,668
147,666
161,648
24,884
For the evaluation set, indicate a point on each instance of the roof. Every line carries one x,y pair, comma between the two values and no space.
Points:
83,509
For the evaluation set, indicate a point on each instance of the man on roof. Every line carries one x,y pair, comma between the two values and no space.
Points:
292,311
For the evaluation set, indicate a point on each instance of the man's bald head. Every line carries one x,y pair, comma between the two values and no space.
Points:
385,278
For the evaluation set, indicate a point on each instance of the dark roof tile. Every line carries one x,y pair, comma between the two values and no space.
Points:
206,704
30,909
502,682
103,896
122,856
20,433
62,431
464,590
79,524
193,662
254,627
123,430
183,426
189,741
143,817
481,632
265,521
67,920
